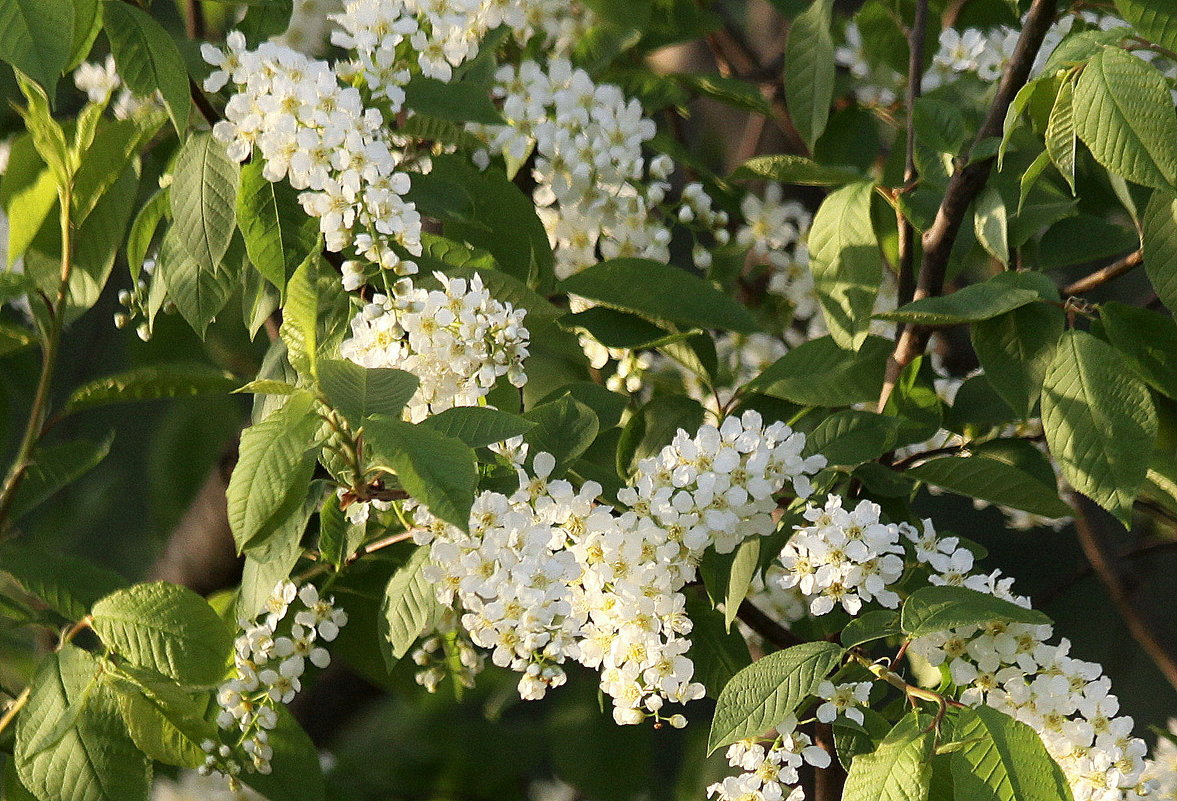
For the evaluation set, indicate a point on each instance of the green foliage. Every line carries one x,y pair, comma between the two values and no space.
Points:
31,40
929,610
819,373
565,428
809,70
852,437
151,383
900,769
69,585
410,605
769,690
847,266
992,480
478,426
1003,759
147,58
1160,245
795,170
52,467
360,392
203,193
278,236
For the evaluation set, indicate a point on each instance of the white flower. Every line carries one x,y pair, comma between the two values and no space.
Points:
842,699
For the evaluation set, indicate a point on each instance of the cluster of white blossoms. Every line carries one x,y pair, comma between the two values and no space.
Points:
595,191
1011,667
447,651
269,657
318,135
1161,769
847,557
717,486
769,767
549,574
394,39
100,82
457,341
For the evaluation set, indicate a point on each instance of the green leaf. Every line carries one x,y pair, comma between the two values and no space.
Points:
359,392
1147,340
203,197
797,170
31,37
29,193
658,290
152,383
819,373
730,91
338,538
71,744
1060,133
900,769
768,691
1099,420
148,60
278,234
915,404
565,428
728,576
846,263
1015,349
437,470
652,428
1160,245
852,437
457,101
809,70
114,148
143,230
274,468
615,329
478,426
876,624
13,338
199,293
1124,114
165,628
929,610
87,24
939,125
300,316
717,652
1154,19
1003,760
297,772
410,605
991,224
53,467
991,480
970,304
48,137
165,721
69,585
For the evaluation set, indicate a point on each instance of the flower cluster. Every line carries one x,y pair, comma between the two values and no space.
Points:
769,767
318,135
393,39
1161,769
1011,667
845,557
589,168
456,340
100,82
717,486
447,650
548,574
270,657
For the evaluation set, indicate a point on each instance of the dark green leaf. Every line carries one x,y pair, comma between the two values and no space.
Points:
991,480
819,373
359,392
929,610
478,426
437,470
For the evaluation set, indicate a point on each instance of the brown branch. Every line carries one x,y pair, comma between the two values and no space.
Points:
755,618
1089,524
202,103
963,188
194,20
1105,274
915,87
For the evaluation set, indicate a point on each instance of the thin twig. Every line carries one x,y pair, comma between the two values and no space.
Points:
194,20
1105,274
755,619
1092,541
965,185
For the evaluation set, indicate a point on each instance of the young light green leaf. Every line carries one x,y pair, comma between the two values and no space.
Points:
1098,418
768,691
165,628
114,147
199,293
991,224
164,720
437,470
1060,133
203,197
148,59
71,743
278,234
31,40
152,383
846,263
819,373
478,426
1003,759
929,610
797,170
900,769
410,605
273,470
991,480
358,392
809,70
29,193
1124,113
1160,245
654,289
48,137
300,316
